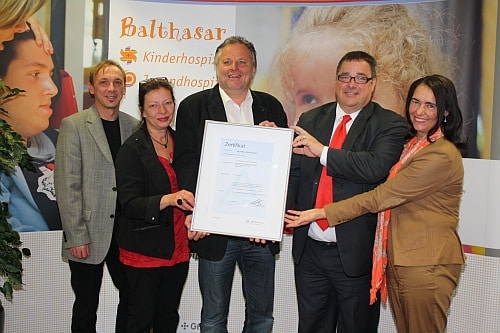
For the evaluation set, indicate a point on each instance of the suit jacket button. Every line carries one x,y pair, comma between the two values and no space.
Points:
114,189
112,216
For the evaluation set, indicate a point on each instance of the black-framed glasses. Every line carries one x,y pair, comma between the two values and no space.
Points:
361,79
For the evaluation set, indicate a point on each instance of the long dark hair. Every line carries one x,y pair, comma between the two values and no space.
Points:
446,101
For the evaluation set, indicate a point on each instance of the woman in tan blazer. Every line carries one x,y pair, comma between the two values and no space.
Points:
418,210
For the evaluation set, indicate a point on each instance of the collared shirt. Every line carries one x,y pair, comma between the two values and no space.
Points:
315,232
239,114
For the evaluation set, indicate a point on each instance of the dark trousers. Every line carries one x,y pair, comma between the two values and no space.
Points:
86,280
155,295
327,296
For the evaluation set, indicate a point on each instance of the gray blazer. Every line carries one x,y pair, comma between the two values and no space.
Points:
85,185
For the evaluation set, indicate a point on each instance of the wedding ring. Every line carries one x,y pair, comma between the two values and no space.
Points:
303,137
179,202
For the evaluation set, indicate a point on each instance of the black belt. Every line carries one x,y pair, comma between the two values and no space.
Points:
323,243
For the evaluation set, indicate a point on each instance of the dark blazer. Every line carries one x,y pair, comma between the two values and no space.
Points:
372,146
190,125
142,181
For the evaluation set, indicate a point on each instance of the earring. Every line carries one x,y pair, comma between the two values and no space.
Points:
444,118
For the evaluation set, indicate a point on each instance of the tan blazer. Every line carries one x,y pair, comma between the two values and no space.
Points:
84,177
424,197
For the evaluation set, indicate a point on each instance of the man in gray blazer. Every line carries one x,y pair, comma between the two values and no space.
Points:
86,194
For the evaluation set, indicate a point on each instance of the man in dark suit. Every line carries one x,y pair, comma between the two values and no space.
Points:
231,100
333,265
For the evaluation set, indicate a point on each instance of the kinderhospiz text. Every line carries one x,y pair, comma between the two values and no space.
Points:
169,30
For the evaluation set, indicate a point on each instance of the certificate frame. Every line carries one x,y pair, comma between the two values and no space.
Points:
243,180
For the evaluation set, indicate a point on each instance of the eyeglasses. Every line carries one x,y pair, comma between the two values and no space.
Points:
153,80
361,79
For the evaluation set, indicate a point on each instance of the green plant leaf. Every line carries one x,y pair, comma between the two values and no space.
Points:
13,153
16,278
7,290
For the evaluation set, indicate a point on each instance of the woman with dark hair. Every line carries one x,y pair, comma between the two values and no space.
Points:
418,205
152,236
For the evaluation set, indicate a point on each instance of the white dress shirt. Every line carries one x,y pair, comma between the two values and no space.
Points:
238,114
315,232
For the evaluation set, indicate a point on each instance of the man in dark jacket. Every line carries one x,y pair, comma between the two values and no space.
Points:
231,100
333,265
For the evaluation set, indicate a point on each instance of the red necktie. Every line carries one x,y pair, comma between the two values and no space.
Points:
325,187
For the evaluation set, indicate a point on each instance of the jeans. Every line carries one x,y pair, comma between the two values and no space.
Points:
257,266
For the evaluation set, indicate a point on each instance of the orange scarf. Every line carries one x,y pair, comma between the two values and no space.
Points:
381,234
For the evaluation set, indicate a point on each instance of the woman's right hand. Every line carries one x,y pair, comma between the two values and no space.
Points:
295,218
182,199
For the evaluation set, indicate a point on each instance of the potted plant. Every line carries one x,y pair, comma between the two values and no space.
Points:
12,152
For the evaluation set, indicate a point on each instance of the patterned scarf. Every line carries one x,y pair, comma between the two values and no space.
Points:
381,234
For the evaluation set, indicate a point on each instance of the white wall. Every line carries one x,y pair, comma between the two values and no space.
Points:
45,303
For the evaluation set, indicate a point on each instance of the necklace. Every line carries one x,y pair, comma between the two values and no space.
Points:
165,145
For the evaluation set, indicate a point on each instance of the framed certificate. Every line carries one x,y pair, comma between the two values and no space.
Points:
242,180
